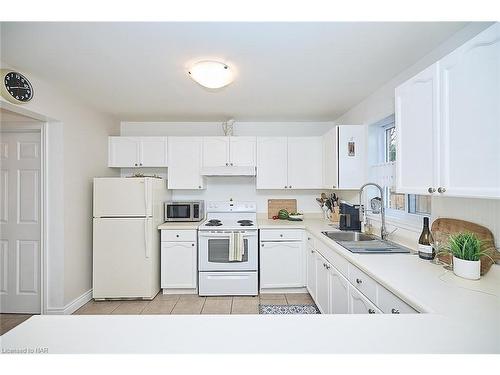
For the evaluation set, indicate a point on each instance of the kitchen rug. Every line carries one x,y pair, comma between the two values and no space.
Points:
288,309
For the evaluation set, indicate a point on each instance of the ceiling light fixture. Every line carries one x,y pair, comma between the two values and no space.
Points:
211,74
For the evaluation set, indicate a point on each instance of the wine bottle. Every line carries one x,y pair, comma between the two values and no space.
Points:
425,250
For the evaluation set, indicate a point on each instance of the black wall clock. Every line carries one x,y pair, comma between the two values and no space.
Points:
16,88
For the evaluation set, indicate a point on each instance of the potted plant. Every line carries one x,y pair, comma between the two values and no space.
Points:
466,250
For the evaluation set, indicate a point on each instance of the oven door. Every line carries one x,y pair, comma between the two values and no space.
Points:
178,212
214,252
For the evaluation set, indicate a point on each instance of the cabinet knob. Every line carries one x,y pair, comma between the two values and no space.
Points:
441,190
371,311
227,164
231,164
286,186
395,311
192,244
431,190
281,235
140,164
327,267
312,251
177,235
135,164
359,281
199,186
262,245
290,186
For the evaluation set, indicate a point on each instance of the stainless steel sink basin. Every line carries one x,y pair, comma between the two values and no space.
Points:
361,243
349,236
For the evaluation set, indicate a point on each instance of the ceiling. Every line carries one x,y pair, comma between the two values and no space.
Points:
285,71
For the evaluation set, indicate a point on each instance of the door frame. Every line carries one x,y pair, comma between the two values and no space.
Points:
41,127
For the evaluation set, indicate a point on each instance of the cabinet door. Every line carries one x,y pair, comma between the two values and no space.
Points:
330,153
311,271
178,265
242,151
305,162
184,155
215,151
322,285
351,156
272,163
281,265
359,304
470,117
417,133
339,293
123,152
153,152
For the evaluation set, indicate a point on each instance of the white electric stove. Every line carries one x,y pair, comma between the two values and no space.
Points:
217,274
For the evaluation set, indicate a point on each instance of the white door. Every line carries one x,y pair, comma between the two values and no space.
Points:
179,265
305,162
281,265
311,271
153,152
330,171
339,293
272,163
351,156
185,157
470,122
322,285
20,223
123,151
417,133
242,151
123,259
215,151
115,196
359,304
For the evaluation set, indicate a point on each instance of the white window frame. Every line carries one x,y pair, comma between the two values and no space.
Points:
397,218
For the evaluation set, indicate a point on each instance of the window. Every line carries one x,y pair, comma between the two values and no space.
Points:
397,204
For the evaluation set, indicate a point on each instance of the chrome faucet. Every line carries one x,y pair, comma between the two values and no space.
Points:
383,232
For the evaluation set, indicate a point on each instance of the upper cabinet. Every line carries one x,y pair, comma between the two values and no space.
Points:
448,122
289,163
126,152
229,151
417,129
185,156
344,157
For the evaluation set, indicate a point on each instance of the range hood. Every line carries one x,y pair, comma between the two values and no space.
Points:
228,171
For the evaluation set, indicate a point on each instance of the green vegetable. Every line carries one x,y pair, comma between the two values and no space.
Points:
283,214
466,246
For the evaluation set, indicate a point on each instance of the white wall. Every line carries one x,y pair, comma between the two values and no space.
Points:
380,104
80,140
236,187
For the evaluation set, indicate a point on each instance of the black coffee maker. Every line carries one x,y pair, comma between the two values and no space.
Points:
349,217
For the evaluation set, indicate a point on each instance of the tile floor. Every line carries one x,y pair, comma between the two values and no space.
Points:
9,321
193,304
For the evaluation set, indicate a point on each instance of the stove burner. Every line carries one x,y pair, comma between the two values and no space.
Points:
246,224
246,221
213,223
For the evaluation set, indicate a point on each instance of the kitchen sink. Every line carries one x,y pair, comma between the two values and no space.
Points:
349,236
360,243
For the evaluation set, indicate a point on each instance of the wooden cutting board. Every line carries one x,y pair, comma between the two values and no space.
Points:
443,227
274,205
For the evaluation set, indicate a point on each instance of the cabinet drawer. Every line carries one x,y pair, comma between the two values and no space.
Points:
359,304
310,240
335,259
363,283
278,235
178,235
390,304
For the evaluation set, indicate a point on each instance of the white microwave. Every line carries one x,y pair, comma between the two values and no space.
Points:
184,211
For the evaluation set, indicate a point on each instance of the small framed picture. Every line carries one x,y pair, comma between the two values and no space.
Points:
351,149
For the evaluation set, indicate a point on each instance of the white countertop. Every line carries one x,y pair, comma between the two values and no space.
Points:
178,225
463,317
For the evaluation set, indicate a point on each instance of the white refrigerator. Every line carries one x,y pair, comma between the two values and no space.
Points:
126,242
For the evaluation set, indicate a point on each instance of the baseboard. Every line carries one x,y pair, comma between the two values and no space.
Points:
71,307
180,291
283,290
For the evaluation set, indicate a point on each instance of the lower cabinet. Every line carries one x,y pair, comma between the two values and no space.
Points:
311,271
339,293
322,284
360,304
179,265
281,264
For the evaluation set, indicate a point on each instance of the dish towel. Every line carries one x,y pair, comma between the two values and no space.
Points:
236,247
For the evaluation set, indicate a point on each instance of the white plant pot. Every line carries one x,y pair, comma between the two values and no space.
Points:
468,269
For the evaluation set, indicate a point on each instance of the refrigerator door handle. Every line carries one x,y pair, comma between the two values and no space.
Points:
146,242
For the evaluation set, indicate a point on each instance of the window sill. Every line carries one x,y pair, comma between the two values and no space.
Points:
409,222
